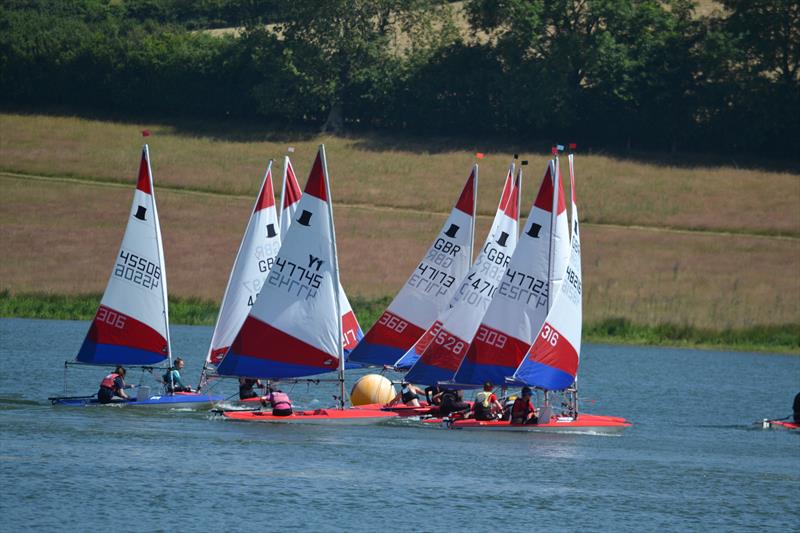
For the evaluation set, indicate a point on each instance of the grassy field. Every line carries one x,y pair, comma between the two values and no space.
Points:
686,192
700,252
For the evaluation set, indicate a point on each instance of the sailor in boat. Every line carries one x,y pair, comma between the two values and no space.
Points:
486,406
434,394
409,395
281,404
172,378
112,388
246,388
452,403
523,411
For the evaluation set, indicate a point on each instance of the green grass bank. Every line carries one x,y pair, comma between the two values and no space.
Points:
195,311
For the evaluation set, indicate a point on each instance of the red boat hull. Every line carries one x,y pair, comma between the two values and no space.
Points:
318,416
402,409
585,423
779,424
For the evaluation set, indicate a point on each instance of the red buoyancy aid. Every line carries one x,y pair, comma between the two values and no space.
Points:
280,400
521,408
108,381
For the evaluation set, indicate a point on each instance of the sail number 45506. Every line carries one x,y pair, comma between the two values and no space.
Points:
139,270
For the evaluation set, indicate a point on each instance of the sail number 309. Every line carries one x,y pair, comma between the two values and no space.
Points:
491,337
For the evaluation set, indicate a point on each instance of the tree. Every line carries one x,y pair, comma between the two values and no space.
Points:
343,56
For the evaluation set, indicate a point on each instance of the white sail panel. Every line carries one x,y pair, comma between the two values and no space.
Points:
552,361
437,355
257,251
430,288
522,298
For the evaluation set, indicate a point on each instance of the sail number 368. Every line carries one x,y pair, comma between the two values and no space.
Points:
393,322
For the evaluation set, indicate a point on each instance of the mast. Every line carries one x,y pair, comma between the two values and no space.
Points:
474,211
553,217
523,163
337,306
160,260
283,183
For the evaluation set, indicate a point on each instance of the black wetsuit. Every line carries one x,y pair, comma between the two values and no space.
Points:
246,388
796,408
451,403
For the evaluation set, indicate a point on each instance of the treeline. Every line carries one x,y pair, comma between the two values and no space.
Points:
637,73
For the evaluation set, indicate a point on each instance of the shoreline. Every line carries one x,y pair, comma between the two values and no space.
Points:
783,339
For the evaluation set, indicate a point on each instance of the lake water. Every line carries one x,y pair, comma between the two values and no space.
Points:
692,460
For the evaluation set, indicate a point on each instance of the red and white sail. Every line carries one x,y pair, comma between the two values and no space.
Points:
552,361
290,196
523,297
438,353
430,288
131,325
257,251
294,328
290,199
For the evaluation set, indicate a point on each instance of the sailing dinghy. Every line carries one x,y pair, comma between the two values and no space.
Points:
550,364
430,288
295,328
131,326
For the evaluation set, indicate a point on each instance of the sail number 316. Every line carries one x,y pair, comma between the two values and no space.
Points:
550,335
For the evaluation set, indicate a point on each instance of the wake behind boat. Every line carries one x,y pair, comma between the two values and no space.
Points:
131,325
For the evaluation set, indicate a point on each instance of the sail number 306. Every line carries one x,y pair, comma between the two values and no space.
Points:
138,270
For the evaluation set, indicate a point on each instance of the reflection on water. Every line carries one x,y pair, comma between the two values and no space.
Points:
691,461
